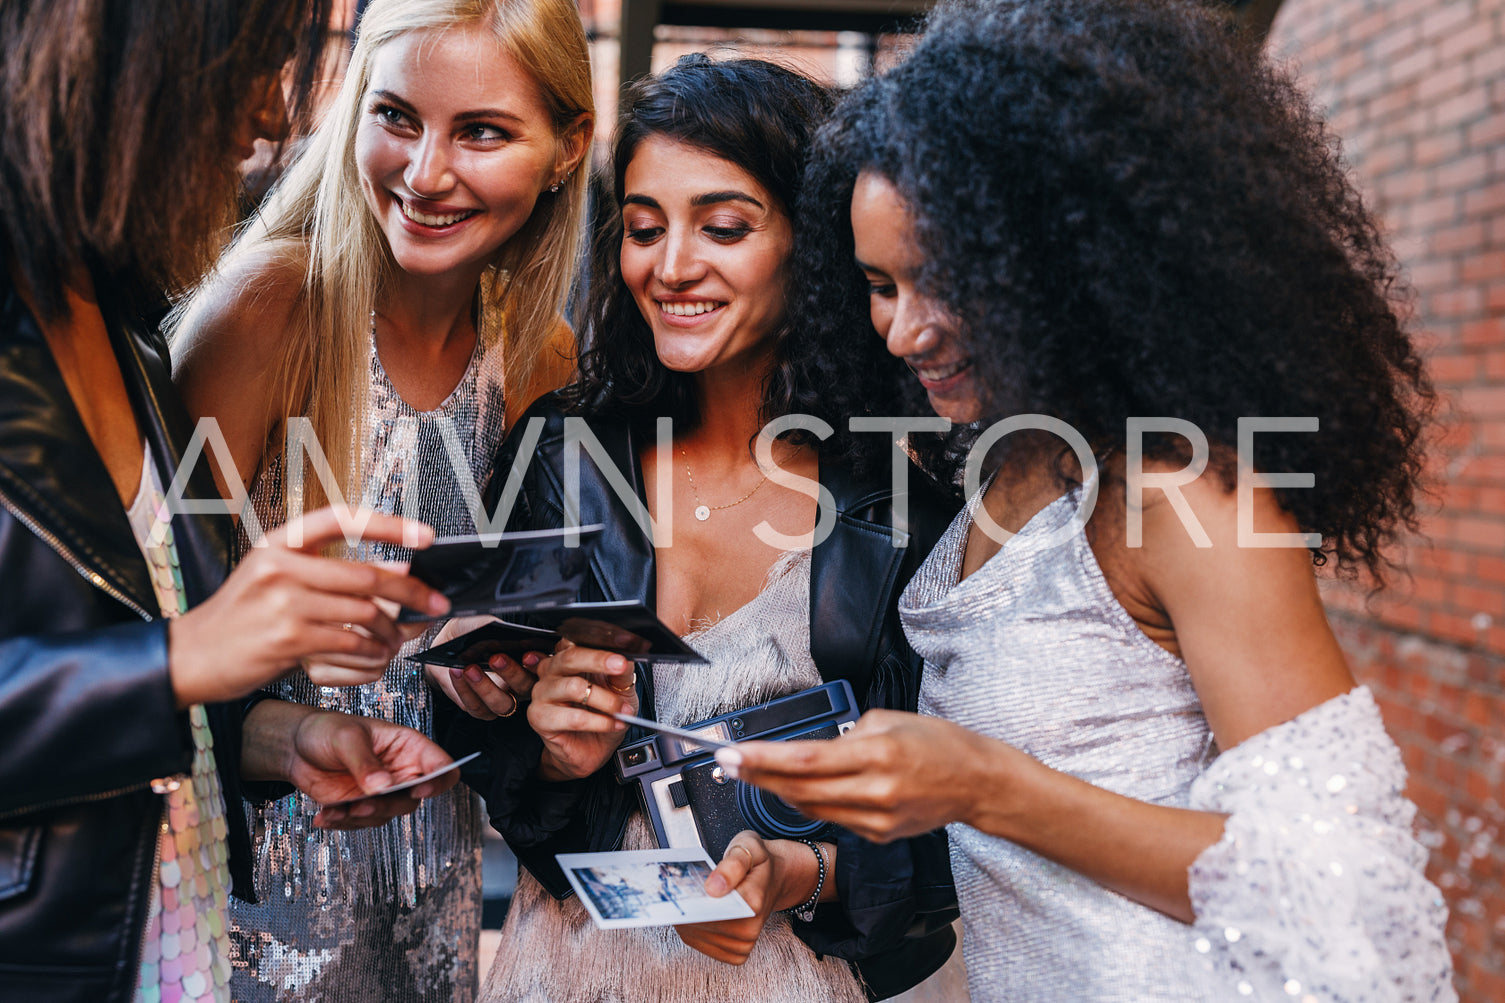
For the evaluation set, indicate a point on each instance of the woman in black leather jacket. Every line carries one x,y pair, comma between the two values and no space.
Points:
687,320
120,124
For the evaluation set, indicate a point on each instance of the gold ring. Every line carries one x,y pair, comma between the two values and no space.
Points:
516,703
623,691
745,850
588,687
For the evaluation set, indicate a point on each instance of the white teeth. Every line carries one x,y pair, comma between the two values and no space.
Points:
945,372
427,220
688,309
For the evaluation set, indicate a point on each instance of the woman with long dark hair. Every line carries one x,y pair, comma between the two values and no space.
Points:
690,326
1119,245
125,651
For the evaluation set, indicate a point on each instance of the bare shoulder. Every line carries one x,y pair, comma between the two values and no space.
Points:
229,342
1229,570
248,304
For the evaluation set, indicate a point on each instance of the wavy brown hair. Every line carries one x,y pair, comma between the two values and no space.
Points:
116,121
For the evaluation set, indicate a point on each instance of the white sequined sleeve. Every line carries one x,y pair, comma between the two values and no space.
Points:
1317,889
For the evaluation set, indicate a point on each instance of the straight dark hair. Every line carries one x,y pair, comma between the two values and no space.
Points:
116,121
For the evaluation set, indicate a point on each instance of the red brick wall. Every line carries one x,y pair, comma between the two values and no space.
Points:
1416,90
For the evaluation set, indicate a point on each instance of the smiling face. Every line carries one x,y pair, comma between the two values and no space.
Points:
704,248
454,148
915,327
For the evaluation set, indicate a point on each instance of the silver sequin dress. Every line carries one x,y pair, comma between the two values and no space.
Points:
392,913
1315,893
550,950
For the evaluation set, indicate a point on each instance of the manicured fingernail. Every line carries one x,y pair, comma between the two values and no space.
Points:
530,660
438,604
716,886
730,760
473,674
620,725
362,810
617,663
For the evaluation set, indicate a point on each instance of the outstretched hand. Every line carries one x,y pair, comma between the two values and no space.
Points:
335,757
893,776
285,604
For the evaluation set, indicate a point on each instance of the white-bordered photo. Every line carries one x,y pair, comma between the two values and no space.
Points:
648,888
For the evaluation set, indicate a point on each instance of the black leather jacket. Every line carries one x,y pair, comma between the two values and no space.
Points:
897,900
87,715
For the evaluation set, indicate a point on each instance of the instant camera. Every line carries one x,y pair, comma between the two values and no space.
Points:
691,801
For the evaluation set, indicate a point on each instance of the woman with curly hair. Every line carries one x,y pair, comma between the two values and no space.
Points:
691,333
1118,225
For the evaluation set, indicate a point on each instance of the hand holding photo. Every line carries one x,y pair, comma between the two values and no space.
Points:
648,888
406,784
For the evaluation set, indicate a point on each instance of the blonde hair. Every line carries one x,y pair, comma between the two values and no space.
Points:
318,215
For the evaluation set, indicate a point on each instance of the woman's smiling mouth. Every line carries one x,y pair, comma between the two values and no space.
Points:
937,374
433,220
689,309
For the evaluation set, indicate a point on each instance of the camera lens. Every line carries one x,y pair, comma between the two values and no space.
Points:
773,817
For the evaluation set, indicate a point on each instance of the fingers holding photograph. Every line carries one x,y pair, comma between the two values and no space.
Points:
634,888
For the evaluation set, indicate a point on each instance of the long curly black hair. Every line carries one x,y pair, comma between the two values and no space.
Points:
761,117
1133,214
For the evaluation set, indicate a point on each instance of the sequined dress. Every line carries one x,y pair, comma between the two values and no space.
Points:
550,950
391,913
1316,891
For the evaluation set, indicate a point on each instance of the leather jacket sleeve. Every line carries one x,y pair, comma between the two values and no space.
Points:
538,818
64,693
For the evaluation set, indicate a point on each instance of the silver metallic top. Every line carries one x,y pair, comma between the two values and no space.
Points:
1035,650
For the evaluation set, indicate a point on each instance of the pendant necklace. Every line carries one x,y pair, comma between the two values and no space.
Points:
702,510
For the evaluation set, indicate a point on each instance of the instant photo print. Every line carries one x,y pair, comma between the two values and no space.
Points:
664,887
626,628
497,573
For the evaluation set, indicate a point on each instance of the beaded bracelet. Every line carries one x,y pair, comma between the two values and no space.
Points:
805,912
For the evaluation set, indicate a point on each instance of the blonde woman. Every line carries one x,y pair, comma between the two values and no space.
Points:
399,295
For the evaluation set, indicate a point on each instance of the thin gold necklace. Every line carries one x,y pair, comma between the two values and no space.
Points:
702,510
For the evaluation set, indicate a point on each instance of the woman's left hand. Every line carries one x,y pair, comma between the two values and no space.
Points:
485,692
893,776
770,875
335,757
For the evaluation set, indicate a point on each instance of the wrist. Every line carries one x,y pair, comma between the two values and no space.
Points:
821,858
180,673
1012,779
269,739
549,770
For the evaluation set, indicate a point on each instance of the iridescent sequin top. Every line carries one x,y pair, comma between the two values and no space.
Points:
1034,649
185,949
390,913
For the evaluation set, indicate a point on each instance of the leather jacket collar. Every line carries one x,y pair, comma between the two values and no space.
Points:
72,505
852,572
